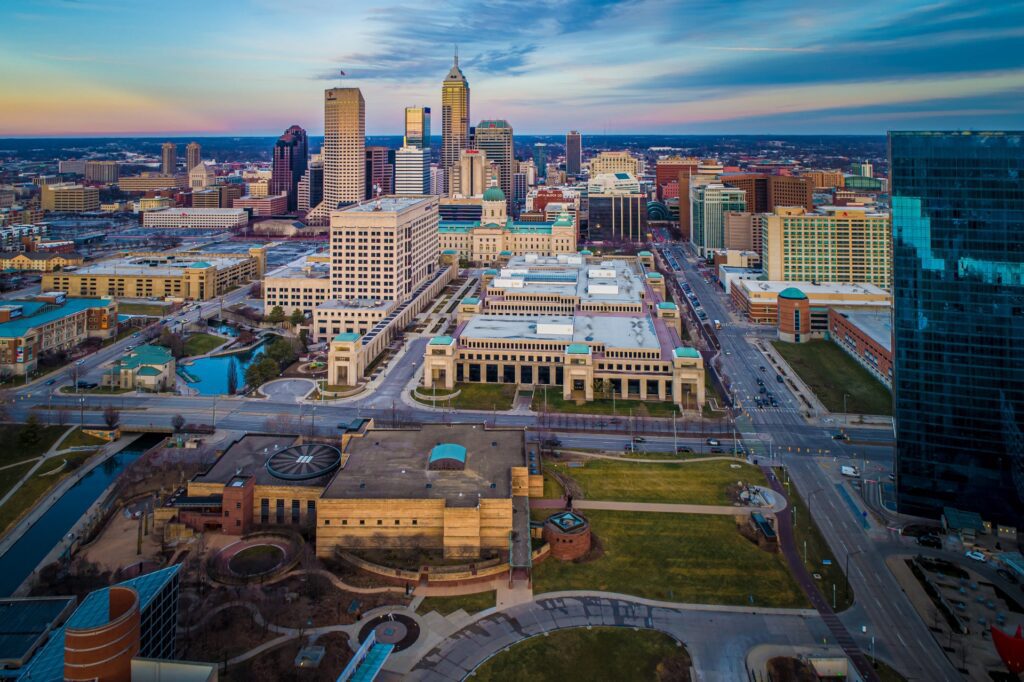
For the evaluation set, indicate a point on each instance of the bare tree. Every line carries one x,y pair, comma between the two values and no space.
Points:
111,416
62,416
177,422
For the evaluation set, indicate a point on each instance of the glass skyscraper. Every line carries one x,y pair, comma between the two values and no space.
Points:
958,321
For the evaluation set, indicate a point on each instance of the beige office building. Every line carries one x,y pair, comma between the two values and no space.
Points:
105,172
841,244
147,182
824,180
69,198
614,162
758,300
344,155
193,155
168,158
743,231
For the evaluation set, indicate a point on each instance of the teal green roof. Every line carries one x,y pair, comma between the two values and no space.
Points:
578,349
792,293
470,300
505,253
494,193
645,254
448,451
586,252
149,372
37,313
564,220
654,275
667,305
491,272
199,264
347,337
449,252
144,355
685,352
441,341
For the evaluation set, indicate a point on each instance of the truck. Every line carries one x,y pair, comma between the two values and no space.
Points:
852,472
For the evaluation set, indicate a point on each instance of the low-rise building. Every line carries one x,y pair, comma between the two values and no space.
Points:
48,322
38,261
151,181
196,218
276,204
145,368
759,299
866,334
181,275
301,287
21,237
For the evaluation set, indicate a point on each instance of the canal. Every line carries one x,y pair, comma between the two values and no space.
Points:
209,376
25,554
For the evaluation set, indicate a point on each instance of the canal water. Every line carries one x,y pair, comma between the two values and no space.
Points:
25,554
209,376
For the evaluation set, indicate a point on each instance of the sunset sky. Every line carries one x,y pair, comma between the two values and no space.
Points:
121,67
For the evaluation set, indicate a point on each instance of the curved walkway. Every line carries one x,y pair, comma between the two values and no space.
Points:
662,507
335,580
641,460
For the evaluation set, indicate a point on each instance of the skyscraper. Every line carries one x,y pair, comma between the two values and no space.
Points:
290,153
343,153
469,177
412,170
454,117
168,158
540,158
573,153
193,155
379,171
310,189
958,322
709,201
417,127
495,139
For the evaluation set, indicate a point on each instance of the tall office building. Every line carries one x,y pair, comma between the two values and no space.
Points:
412,170
310,189
454,117
344,151
102,171
417,127
540,158
615,162
495,139
958,322
290,153
168,158
193,155
766,192
379,171
470,176
673,168
708,204
573,153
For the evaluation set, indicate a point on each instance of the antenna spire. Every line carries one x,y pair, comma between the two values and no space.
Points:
456,54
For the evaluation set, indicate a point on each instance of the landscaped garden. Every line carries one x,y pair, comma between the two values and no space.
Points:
38,485
831,373
674,557
470,603
603,406
712,482
473,396
201,344
604,653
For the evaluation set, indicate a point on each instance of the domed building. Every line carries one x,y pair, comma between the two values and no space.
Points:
794,316
497,237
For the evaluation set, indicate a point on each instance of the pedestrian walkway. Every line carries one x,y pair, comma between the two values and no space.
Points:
657,507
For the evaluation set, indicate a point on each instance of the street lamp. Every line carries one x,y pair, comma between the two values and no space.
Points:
846,415
848,555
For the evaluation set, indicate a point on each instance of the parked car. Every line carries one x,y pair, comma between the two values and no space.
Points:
684,450
760,381
80,362
852,472
762,389
930,540
975,555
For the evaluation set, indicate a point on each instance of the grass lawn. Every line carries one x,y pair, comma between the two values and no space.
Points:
14,451
817,551
35,488
155,309
78,439
199,344
887,673
555,403
675,557
476,397
471,603
11,475
579,654
690,483
830,373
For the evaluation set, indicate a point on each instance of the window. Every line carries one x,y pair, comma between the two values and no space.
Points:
264,510
279,509
327,522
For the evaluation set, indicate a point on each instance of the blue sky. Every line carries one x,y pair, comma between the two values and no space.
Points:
630,66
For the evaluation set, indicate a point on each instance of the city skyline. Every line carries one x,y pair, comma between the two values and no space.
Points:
663,67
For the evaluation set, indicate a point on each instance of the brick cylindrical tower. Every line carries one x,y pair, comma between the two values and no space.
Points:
568,534
99,644
794,319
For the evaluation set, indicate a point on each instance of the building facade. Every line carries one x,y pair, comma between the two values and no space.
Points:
310,188
417,127
494,138
709,202
469,176
343,152
193,155
276,204
147,182
197,218
765,192
168,158
573,153
290,153
67,197
958,324
105,172
379,171
617,217
866,335
834,244
758,299
614,162
454,117
412,171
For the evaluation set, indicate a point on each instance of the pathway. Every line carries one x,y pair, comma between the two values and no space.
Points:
840,634
39,462
659,507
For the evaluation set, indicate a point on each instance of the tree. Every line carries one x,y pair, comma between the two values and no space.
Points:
282,351
233,377
177,422
111,416
172,342
31,433
276,315
260,372
297,317
304,338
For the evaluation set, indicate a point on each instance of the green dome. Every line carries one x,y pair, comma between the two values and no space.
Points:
494,193
792,293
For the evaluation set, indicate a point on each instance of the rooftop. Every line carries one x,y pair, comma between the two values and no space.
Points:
876,323
613,280
611,331
37,313
201,211
248,456
392,464
156,267
386,204
813,289
24,622
347,337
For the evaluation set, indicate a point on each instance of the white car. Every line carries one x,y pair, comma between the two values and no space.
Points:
976,556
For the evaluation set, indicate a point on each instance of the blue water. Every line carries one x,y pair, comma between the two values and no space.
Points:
23,557
212,373
225,329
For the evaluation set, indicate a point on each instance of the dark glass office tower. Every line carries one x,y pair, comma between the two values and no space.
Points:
958,321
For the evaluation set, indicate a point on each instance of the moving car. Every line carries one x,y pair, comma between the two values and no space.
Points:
840,436
51,382
930,540
684,450
852,472
778,378
552,442
712,441
975,555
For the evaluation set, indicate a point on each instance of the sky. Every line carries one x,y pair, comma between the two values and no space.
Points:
254,67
